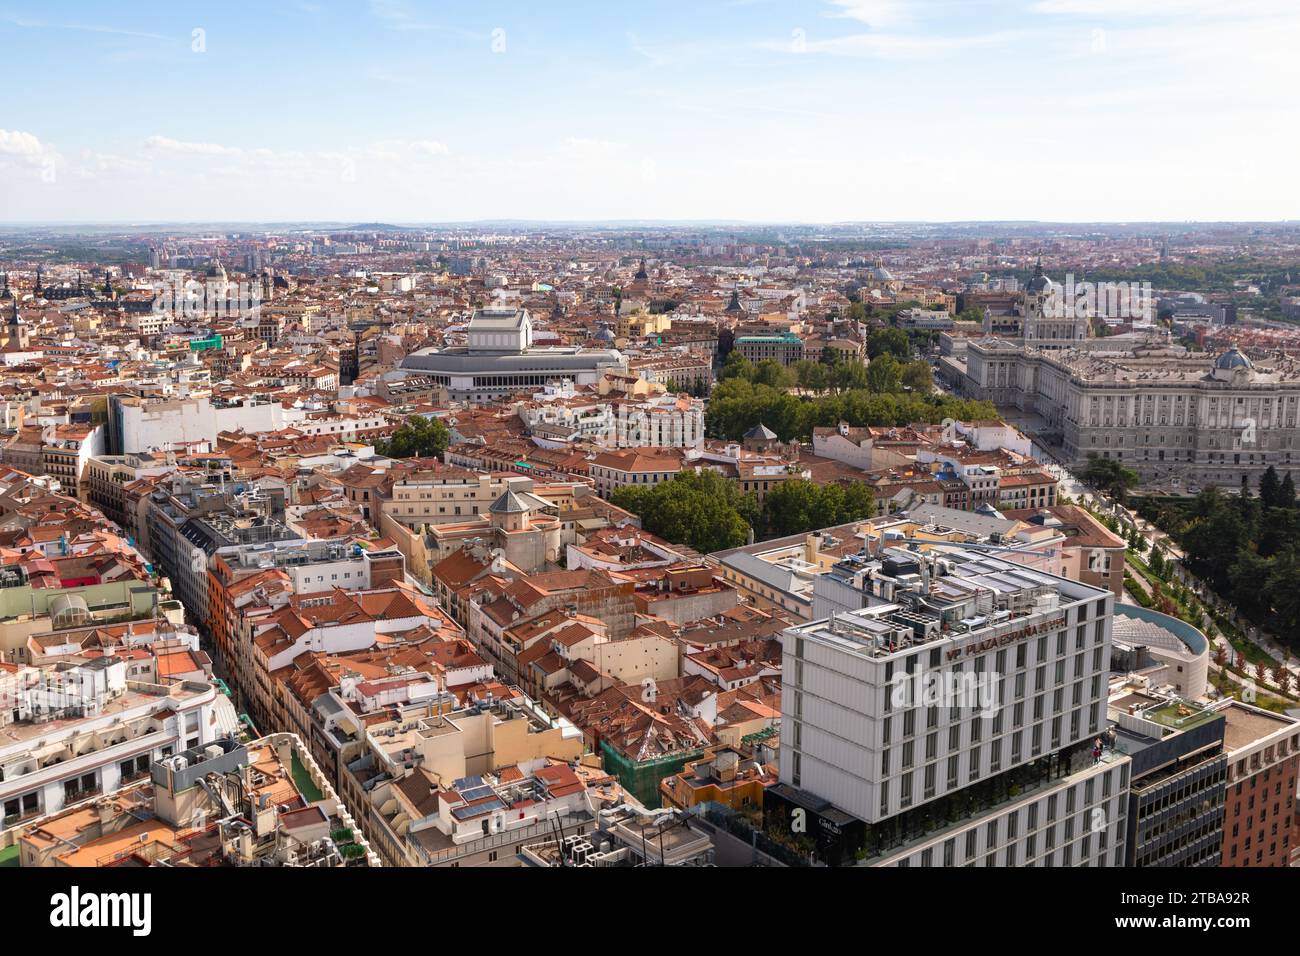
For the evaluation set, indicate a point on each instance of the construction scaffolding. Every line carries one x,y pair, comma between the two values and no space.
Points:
641,778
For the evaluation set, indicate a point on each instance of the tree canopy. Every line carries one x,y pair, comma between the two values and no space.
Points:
736,366
1111,476
889,341
702,510
737,405
418,437
918,377
772,373
798,505
811,376
708,513
1247,549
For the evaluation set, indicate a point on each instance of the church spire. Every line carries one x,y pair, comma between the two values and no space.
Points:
17,328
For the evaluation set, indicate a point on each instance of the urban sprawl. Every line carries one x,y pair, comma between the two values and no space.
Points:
382,546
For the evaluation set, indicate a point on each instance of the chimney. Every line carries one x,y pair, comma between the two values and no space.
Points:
811,547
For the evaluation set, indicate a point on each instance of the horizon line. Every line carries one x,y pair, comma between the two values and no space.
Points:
18,223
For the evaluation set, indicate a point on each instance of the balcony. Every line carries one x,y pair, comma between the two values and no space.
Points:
76,796
14,819
83,763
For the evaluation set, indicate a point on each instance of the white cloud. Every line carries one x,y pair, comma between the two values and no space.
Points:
429,147
83,28
170,145
899,46
25,155
893,33
17,143
179,160
1019,115
404,17
874,13
95,162
590,152
397,15
1236,9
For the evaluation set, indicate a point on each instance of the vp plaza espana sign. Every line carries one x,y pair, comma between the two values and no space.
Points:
1010,637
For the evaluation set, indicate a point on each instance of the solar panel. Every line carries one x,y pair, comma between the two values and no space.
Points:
464,813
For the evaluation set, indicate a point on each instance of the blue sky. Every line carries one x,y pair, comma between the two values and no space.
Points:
806,110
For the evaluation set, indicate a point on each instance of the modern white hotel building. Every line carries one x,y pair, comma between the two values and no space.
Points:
993,762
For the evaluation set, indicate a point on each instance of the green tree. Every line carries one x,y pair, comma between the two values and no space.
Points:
1156,560
1110,476
418,437
750,510
1269,488
1213,539
736,366
797,505
634,498
1281,594
883,373
811,376
772,373
1286,492
859,502
702,510
737,405
892,341
789,507
846,374
918,377
1277,531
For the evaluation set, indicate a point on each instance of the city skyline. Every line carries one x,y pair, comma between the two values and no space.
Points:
745,434
761,112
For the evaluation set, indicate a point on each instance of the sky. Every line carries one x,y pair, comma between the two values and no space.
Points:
757,110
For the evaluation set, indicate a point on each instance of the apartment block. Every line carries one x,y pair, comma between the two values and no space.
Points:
966,676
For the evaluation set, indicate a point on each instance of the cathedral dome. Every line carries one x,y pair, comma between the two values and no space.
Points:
1039,283
1232,359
